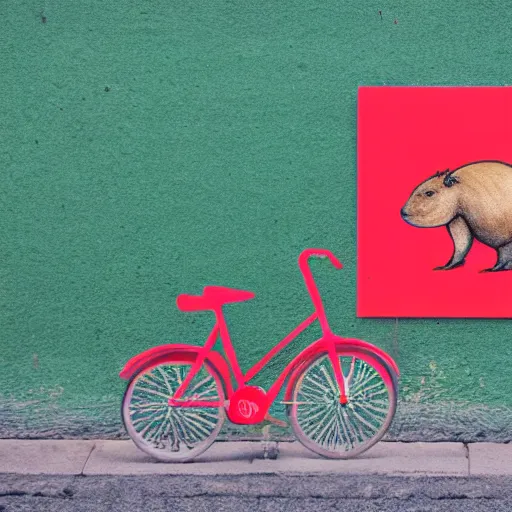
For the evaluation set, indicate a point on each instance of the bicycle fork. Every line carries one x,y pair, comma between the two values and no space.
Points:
336,366
339,380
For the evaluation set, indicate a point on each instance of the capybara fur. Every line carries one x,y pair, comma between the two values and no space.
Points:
473,201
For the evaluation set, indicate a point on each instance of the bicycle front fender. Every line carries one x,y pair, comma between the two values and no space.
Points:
321,346
188,353
376,350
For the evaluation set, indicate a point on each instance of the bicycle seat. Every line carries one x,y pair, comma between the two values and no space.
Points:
213,298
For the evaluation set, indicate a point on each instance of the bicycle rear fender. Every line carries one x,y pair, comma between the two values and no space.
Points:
187,352
320,346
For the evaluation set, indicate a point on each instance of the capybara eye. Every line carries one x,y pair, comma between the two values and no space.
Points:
429,193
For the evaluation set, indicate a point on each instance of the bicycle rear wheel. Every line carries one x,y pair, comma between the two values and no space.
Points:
173,434
334,430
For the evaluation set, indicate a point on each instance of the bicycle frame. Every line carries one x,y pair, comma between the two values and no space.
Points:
326,342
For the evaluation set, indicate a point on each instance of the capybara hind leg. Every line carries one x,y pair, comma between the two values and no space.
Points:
462,239
504,259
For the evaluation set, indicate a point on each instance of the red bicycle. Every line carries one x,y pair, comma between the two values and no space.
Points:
340,394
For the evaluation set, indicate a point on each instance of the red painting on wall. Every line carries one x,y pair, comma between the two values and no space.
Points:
434,202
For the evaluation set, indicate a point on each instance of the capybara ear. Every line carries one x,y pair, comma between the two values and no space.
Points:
450,180
438,174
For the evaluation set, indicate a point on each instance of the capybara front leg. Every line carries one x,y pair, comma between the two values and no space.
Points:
504,259
462,240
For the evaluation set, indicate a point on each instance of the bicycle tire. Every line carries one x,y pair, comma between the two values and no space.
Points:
177,434
351,429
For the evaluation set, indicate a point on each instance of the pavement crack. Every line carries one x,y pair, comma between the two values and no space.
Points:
466,449
65,494
465,497
14,493
322,497
87,460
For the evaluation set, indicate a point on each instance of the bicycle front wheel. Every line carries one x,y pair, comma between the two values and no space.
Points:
341,431
167,433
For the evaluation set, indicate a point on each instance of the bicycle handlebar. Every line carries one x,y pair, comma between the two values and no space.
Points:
320,253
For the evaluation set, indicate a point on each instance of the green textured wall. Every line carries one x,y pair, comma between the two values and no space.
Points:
150,148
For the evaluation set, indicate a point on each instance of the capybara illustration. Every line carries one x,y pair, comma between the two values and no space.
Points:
473,201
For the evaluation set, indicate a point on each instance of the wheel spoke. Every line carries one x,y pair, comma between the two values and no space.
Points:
345,431
154,380
324,430
157,436
374,409
351,371
201,383
312,394
196,419
203,394
371,426
143,406
190,431
369,388
370,414
351,428
358,426
321,412
166,380
145,419
153,392
364,381
321,389
179,376
334,388
151,424
313,423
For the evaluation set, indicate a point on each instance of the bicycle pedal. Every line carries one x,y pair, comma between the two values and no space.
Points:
280,423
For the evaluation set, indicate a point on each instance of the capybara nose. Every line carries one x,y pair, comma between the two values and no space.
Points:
403,213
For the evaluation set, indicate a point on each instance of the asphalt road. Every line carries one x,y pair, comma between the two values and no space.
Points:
253,493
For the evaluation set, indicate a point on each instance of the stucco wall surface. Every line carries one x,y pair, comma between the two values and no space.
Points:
150,148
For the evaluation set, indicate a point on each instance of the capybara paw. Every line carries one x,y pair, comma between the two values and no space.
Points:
449,266
498,268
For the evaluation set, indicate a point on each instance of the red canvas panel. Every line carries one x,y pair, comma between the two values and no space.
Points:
406,135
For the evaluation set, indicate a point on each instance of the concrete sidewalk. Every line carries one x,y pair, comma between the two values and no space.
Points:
76,457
